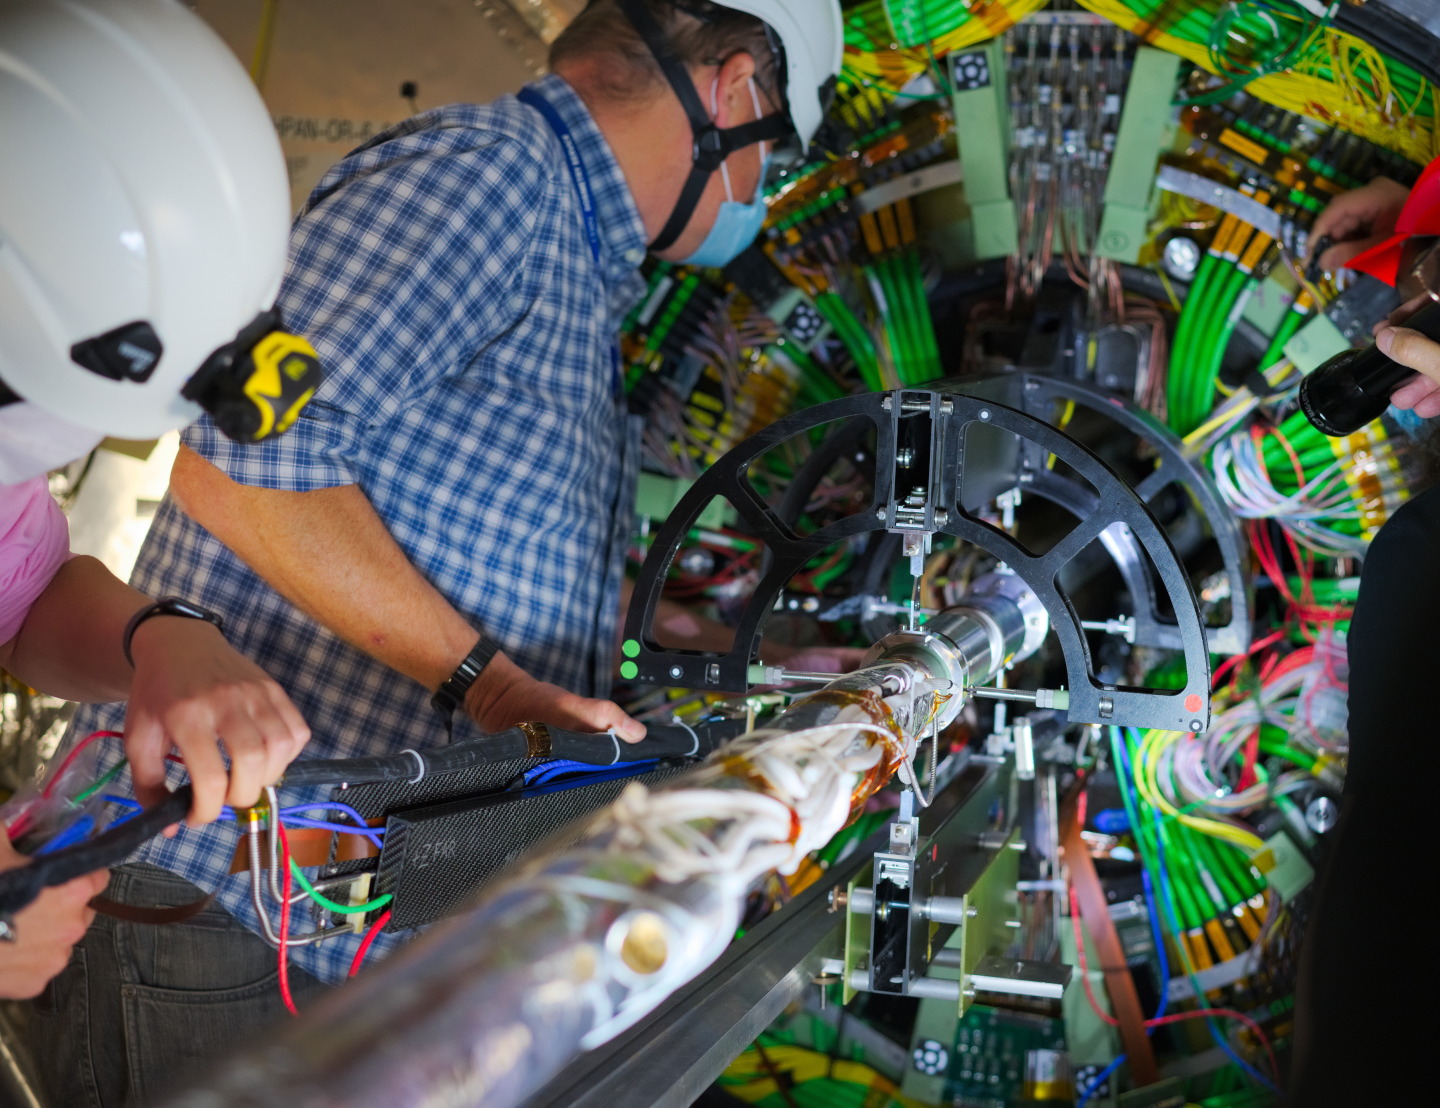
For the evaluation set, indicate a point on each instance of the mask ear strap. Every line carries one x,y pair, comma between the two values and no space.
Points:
712,144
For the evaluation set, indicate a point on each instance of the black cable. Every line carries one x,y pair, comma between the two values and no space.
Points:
20,886
534,740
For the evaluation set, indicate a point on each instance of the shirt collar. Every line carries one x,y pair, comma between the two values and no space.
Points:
622,234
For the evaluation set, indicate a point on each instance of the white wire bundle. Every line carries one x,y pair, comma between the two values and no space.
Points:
1191,770
1244,485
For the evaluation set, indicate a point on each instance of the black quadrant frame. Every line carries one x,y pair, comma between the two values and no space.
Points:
949,414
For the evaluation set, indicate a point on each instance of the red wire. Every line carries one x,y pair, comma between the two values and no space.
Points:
1224,1013
24,820
1229,663
70,758
284,973
1199,1013
375,929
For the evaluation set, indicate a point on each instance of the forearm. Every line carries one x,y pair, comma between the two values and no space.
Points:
70,644
329,554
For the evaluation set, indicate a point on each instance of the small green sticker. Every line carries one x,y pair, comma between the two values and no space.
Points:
631,649
629,670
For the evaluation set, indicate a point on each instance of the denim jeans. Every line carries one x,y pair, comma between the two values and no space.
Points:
139,1005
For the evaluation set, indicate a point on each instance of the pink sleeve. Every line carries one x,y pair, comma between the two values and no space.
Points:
34,544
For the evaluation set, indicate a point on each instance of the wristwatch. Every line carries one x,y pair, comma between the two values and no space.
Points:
166,606
451,693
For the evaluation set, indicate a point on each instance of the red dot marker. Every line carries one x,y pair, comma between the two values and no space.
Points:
1192,702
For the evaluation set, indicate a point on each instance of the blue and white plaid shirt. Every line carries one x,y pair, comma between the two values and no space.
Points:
443,273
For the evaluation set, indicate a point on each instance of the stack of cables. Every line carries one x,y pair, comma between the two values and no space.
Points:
1329,494
1286,57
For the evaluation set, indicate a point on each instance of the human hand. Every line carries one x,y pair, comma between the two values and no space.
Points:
504,695
1357,220
1410,348
194,692
46,931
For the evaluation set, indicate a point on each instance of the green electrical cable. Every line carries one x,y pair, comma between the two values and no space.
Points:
330,905
853,335
1180,347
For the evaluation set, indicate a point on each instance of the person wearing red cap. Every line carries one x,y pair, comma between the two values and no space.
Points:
1369,228
1364,1007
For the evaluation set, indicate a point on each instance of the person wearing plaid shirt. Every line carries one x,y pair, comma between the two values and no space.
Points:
467,465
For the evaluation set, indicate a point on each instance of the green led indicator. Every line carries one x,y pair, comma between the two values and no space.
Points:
631,649
629,670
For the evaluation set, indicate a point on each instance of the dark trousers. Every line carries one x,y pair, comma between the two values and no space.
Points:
139,1004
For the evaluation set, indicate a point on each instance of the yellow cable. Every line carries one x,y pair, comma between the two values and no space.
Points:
264,39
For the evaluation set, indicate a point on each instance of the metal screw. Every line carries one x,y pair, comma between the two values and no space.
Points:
838,900
1196,725
984,413
676,672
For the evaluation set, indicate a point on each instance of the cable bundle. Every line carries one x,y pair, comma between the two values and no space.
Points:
1275,52
1331,495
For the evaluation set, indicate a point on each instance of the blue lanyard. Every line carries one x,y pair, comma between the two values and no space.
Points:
581,179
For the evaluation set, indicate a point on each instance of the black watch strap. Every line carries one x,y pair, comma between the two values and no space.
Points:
166,606
451,694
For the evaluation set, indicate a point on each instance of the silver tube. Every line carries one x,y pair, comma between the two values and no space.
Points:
585,941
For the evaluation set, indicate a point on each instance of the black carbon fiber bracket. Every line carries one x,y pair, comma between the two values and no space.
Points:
1036,395
948,415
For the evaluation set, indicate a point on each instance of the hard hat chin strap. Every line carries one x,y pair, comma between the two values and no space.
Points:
712,144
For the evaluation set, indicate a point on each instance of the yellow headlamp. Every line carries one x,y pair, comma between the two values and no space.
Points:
255,387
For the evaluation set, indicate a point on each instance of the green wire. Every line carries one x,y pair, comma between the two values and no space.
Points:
110,775
853,335
326,902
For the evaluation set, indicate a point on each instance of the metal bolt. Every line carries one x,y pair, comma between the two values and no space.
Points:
984,413
838,900
885,403
905,457
971,913
676,672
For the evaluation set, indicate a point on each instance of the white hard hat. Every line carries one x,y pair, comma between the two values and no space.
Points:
812,34
144,214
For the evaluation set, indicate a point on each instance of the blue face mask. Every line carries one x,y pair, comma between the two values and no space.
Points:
736,224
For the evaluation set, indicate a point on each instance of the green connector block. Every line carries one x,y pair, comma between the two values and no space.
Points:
1268,304
1122,231
993,228
983,139
656,497
1144,122
1286,869
1314,343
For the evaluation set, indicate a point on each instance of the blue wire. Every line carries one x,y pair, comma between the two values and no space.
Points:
327,805
374,834
1099,1079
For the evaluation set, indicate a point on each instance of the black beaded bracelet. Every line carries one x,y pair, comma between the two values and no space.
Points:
451,694
166,606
